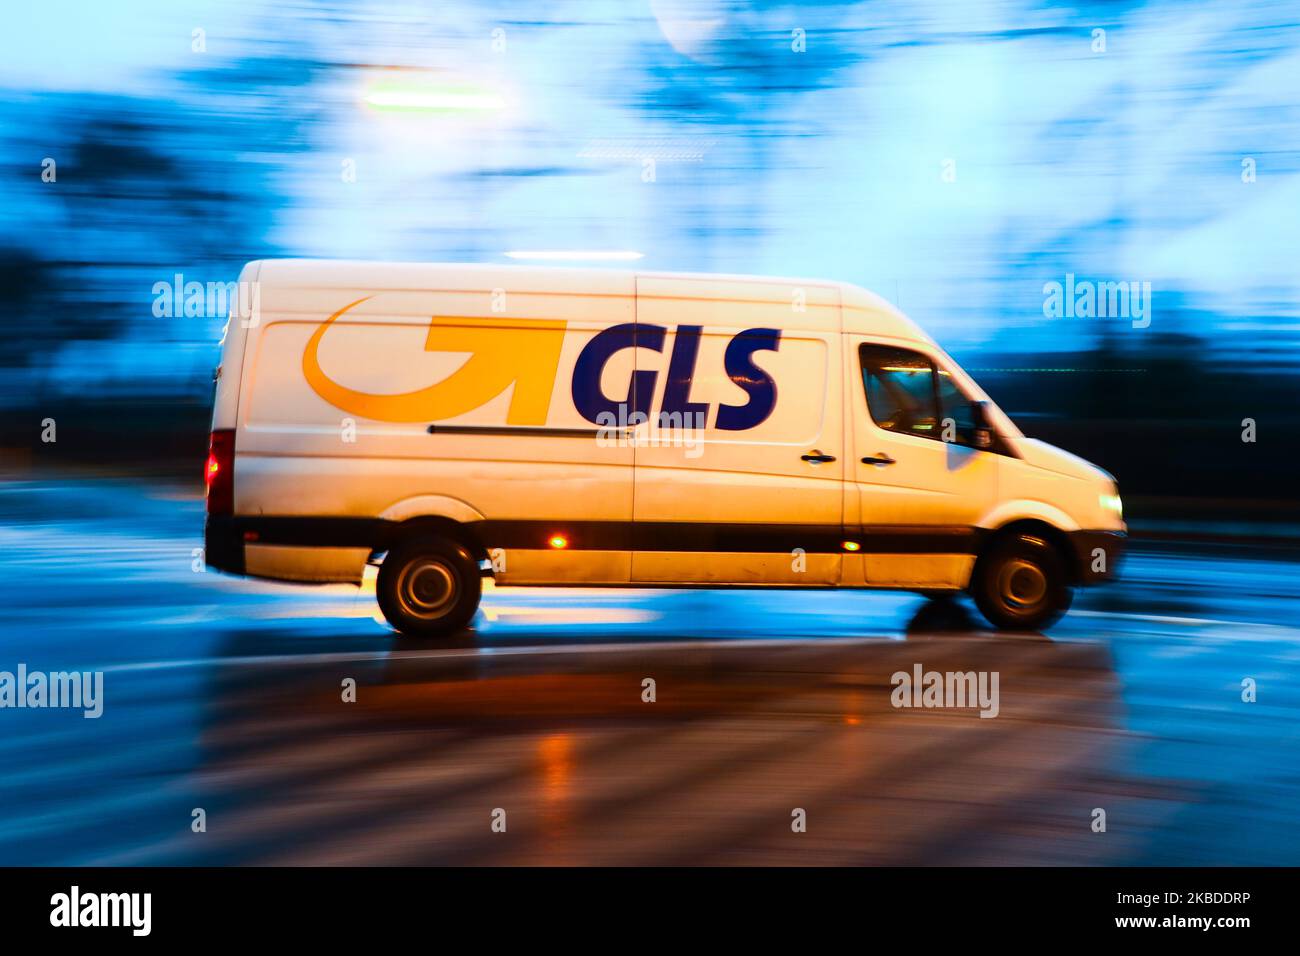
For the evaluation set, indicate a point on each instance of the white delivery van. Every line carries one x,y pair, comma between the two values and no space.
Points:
616,428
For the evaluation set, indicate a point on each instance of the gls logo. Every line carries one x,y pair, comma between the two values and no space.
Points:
591,403
526,354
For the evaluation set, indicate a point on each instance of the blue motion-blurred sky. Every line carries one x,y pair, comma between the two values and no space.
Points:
1122,164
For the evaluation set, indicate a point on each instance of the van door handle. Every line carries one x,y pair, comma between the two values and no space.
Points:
880,458
815,457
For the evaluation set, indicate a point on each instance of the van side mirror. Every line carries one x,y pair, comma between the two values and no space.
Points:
983,426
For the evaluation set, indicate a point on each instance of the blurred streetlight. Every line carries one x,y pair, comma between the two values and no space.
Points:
412,95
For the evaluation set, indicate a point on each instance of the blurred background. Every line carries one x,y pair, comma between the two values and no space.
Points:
958,158
954,157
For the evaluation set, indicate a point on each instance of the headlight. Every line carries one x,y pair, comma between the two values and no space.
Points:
1112,503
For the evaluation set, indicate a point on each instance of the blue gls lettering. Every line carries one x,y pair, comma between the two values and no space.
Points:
681,371
588,399
738,360
742,370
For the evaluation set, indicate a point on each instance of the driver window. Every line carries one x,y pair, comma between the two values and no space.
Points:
901,391
907,393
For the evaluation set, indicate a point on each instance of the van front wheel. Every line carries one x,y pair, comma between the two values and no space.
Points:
428,587
1020,584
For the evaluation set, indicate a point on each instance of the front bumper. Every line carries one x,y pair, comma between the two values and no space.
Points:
1097,555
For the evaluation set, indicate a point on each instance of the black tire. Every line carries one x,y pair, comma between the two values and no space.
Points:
429,587
1020,583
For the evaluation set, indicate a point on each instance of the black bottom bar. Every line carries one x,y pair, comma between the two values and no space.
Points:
979,907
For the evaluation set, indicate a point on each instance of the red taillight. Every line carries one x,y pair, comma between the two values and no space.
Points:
219,473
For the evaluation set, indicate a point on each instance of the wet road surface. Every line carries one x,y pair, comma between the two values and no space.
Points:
227,695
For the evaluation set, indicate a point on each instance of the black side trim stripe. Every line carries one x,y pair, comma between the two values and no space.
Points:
330,532
521,430
225,534
918,539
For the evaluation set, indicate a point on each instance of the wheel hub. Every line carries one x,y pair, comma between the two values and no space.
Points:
1022,583
427,588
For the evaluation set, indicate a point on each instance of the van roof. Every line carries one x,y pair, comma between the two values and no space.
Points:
862,310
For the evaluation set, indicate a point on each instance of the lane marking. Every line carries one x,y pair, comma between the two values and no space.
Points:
1166,619
521,651
625,647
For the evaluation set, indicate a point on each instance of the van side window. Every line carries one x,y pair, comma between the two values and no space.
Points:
907,393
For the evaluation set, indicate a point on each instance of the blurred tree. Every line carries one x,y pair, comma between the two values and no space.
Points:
146,188
25,284
733,71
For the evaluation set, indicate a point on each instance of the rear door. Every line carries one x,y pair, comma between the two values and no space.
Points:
739,468
920,484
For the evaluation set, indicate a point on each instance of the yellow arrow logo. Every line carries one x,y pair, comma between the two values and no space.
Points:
510,351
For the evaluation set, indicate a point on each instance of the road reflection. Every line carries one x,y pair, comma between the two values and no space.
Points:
651,749
228,696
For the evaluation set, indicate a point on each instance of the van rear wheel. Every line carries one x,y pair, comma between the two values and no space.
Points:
428,587
1020,584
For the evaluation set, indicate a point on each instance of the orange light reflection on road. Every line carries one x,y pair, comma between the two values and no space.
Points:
555,751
